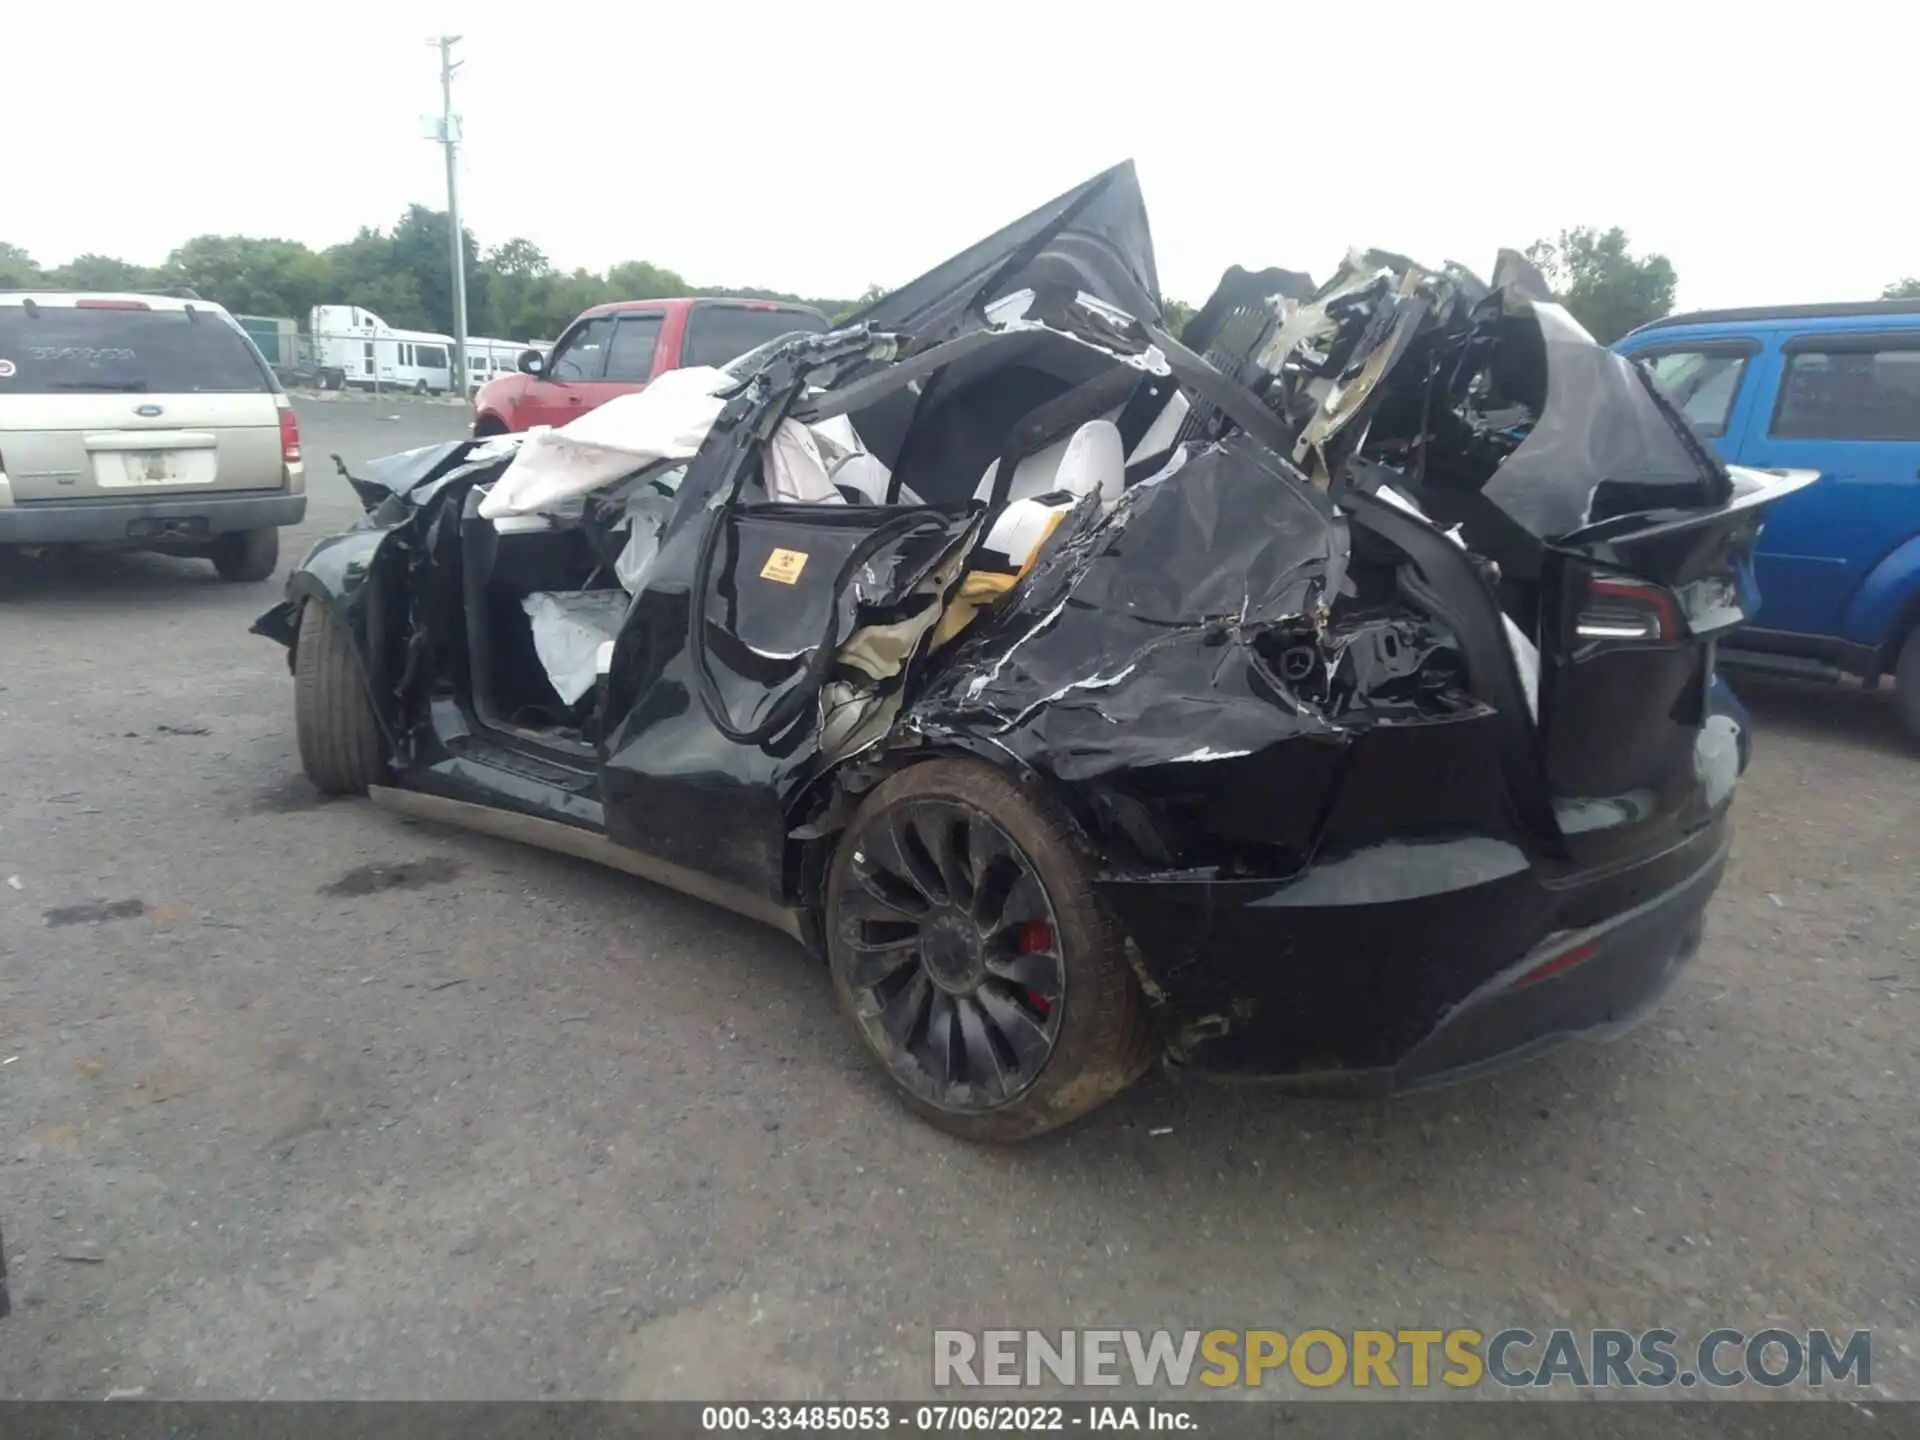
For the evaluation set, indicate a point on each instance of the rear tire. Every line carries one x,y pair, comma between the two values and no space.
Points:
246,556
419,387
975,958
333,718
1906,685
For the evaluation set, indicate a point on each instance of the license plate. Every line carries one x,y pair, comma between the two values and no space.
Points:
126,469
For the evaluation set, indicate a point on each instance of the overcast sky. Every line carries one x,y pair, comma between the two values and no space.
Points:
818,147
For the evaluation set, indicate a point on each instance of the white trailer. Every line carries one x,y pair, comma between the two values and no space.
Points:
355,347
487,358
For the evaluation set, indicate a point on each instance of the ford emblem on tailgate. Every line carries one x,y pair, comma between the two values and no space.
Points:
147,410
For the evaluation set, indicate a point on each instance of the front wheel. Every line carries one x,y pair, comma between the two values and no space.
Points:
246,556
1906,685
980,967
333,717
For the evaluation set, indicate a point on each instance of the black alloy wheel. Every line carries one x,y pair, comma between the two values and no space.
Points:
974,957
954,952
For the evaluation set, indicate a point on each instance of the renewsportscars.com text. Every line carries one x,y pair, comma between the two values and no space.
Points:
1513,1358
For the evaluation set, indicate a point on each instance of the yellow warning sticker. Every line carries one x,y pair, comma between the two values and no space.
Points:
784,566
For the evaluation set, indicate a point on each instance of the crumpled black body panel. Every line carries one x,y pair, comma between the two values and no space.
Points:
675,784
1603,446
1094,238
395,490
1132,644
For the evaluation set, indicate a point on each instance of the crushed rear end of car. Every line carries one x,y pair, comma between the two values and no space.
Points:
1385,694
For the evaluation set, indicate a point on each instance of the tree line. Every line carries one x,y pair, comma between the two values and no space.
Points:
514,291
402,275
1610,291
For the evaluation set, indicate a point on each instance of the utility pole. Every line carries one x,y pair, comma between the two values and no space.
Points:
450,138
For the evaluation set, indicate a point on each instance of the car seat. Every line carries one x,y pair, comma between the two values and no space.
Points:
1090,461
1046,487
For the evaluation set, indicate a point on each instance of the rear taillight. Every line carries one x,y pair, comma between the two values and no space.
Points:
1617,608
111,305
289,437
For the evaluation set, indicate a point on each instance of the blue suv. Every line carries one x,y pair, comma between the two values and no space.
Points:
1831,388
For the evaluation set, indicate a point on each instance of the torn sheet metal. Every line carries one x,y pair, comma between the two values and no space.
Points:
1604,443
1492,401
1526,655
1134,646
402,473
1094,238
878,659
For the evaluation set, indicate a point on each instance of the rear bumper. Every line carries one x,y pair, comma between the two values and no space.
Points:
175,520
1616,975
1350,989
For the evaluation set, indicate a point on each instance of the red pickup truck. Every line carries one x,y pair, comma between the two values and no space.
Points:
616,348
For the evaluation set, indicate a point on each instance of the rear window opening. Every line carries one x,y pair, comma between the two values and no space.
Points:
54,349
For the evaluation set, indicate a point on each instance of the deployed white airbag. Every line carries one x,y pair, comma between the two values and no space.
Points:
668,420
569,627
795,467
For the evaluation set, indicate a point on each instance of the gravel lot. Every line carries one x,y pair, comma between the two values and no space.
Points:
489,1122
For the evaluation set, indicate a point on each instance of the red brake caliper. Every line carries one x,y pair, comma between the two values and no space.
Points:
1035,936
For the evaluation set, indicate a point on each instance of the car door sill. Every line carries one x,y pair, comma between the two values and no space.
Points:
585,845
558,750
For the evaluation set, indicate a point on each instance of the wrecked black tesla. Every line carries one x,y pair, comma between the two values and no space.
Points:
1327,695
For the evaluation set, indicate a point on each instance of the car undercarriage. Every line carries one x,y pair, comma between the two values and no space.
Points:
1325,694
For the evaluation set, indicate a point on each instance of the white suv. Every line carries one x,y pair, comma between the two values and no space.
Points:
144,422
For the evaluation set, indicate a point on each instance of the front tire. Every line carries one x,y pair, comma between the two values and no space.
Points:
333,717
1906,685
976,960
246,556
